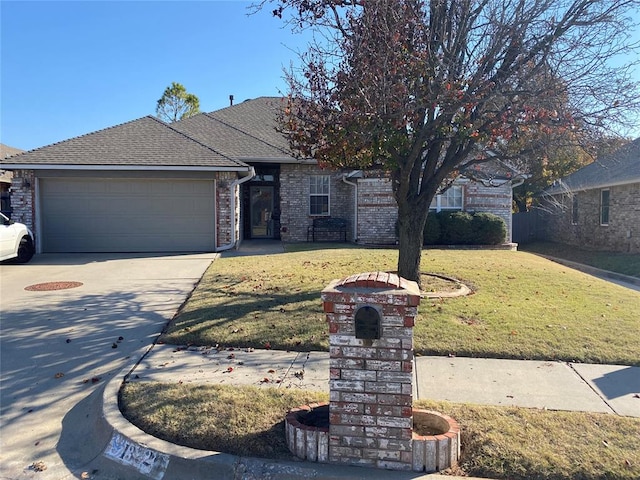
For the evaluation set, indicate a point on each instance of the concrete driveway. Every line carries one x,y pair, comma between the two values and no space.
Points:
58,348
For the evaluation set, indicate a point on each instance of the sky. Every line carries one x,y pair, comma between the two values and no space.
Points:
73,67
68,68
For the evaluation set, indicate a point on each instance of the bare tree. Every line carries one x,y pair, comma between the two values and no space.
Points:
426,89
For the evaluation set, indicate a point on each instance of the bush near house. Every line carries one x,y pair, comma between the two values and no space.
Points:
464,228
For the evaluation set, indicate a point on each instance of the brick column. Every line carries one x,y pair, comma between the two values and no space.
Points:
371,318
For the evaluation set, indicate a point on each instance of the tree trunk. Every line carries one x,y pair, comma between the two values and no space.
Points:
411,220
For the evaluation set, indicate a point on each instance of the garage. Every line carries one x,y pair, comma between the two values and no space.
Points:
126,215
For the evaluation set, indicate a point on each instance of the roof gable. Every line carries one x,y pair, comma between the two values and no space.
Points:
146,142
245,131
620,168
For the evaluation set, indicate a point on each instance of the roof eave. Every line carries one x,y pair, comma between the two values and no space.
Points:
289,160
565,188
175,168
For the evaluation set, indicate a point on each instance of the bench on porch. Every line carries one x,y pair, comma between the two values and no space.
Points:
328,229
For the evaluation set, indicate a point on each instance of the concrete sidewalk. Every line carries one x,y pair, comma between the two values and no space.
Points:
547,385
550,385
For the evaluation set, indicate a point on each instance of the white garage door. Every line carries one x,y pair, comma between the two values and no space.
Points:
127,215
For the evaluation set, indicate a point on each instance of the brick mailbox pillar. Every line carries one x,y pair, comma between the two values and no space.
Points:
371,318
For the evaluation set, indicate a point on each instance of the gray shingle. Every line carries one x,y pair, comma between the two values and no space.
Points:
245,131
145,142
622,167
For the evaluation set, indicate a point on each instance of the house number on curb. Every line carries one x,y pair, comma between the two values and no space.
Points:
367,323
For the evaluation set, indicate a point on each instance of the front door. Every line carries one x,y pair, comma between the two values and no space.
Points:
261,211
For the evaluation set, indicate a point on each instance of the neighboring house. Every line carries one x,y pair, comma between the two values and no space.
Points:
598,206
204,184
5,179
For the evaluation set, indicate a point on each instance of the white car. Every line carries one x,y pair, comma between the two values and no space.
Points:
16,241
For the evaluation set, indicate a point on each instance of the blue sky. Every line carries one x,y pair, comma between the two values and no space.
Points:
73,67
70,68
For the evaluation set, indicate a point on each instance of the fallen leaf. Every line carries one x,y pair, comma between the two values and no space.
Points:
272,371
229,369
114,345
231,356
84,475
58,375
68,340
38,466
265,380
95,379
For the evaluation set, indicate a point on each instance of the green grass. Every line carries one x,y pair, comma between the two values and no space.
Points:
524,306
497,442
624,263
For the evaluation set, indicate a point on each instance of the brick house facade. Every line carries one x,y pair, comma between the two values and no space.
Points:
598,206
254,187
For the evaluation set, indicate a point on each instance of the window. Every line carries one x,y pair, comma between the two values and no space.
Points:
604,207
450,199
574,209
319,195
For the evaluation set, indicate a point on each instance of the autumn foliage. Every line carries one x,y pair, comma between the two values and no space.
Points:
425,90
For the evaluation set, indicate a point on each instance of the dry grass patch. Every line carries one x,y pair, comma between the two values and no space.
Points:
523,306
497,442
245,421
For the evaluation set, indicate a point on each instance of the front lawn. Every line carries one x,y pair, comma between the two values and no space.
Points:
523,306
497,442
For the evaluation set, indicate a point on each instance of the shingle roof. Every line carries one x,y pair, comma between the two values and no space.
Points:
620,168
7,151
245,131
146,143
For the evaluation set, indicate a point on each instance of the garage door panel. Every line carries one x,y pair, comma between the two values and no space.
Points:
127,215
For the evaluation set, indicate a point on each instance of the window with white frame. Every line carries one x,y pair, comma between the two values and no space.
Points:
450,199
605,196
319,195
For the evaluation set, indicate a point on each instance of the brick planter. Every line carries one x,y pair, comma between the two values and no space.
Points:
304,441
435,442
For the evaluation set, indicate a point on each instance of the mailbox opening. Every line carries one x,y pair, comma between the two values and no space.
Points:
367,321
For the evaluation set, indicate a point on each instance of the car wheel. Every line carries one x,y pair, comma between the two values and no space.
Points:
25,250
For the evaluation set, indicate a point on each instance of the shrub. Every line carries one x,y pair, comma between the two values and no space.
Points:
455,228
432,229
488,229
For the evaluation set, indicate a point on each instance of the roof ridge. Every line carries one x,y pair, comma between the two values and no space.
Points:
83,135
238,162
235,105
226,124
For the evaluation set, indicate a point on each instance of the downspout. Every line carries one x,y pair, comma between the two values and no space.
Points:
234,185
355,205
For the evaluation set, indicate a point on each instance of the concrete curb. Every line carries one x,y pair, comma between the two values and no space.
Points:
157,459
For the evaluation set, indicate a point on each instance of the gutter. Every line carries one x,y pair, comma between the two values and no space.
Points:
518,182
357,174
234,185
